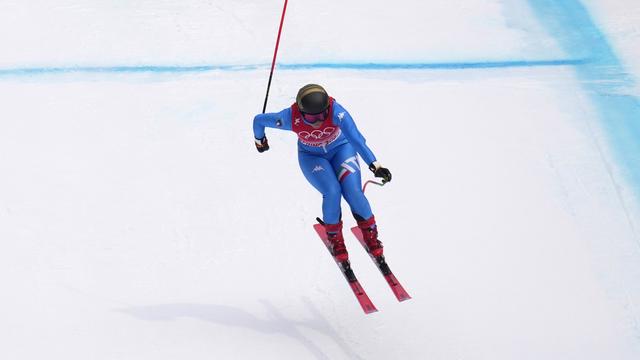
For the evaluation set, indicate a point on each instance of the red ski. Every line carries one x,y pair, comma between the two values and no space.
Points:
381,263
345,268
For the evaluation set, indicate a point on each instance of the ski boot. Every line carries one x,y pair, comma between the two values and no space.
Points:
370,235
338,249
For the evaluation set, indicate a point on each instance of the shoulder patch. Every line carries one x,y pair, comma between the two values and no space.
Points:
341,115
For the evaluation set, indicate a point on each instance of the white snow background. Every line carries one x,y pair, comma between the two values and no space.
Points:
137,220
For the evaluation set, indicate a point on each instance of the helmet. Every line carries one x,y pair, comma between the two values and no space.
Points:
312,99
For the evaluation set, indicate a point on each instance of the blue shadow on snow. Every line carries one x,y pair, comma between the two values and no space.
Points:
603,77
34,71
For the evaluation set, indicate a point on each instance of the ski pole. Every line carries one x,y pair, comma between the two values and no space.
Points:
275,54
373,182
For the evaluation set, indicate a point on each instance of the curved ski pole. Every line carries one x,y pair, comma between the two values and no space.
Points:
373,182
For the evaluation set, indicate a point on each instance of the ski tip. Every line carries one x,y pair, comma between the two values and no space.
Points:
400,293
367,306
370,311
319,229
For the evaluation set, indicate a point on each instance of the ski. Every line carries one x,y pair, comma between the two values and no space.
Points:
345,268
382,265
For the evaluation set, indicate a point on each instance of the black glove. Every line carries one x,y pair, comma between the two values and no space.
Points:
381,172
262,145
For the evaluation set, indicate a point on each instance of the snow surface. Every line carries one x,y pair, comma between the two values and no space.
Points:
138,221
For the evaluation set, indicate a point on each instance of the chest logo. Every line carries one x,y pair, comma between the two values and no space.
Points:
317,134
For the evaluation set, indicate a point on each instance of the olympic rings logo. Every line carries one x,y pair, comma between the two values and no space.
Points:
317,134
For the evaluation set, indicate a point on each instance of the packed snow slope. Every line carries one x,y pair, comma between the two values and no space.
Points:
138,221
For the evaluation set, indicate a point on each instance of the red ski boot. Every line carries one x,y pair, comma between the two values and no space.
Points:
370,234
334,234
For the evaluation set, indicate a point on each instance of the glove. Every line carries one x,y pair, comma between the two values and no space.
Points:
380,172
262,145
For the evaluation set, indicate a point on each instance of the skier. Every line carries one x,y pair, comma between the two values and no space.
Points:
327,144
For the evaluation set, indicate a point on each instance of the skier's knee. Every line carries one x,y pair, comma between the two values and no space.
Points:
354,198
333,193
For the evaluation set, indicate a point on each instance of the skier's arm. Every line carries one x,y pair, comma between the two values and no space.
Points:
348,126
279,120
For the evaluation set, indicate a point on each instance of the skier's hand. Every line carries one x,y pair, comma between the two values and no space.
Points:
262,145
380,171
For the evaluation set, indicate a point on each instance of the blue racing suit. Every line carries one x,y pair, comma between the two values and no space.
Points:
327,156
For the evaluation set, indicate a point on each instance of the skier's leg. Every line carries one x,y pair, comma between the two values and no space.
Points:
319,173
345,163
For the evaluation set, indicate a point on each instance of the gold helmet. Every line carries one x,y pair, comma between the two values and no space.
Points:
312,99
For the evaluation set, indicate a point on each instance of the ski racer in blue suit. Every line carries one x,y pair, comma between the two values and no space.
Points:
328,141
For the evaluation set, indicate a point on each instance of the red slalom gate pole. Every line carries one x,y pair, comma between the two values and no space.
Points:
275,54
